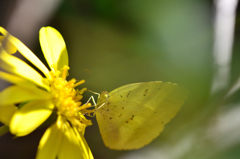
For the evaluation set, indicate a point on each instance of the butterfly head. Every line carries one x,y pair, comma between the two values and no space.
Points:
102,99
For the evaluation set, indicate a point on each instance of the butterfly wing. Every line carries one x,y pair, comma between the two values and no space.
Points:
135,114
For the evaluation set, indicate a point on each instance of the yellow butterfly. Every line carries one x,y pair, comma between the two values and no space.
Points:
131,116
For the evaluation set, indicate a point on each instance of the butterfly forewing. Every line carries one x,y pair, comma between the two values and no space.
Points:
135,114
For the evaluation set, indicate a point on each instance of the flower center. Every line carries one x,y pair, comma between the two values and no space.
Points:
67,99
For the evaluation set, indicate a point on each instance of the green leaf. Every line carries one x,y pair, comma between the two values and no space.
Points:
3,130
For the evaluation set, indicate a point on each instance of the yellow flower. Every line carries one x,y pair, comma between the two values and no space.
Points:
41,94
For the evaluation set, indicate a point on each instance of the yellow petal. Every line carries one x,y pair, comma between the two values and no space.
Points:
26,52
6,113
83,145
16,79
53,47
70,147
16,94
30,116
50,143
16,66
7,45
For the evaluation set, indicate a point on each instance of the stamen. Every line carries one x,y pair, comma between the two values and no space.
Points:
65,71
82,90
71,82
78,83
85,106
78,97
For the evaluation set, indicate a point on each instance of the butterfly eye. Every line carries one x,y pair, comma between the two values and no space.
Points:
106,95
103,96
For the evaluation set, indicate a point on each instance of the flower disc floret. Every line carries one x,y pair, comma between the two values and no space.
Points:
67,99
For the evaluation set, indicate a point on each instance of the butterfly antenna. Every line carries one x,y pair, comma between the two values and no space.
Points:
97,83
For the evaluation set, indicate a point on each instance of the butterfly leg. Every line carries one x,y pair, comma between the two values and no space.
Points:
93,100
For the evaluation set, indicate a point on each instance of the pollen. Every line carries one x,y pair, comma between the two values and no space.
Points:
67,99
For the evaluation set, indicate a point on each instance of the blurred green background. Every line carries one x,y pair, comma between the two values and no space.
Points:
130,41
